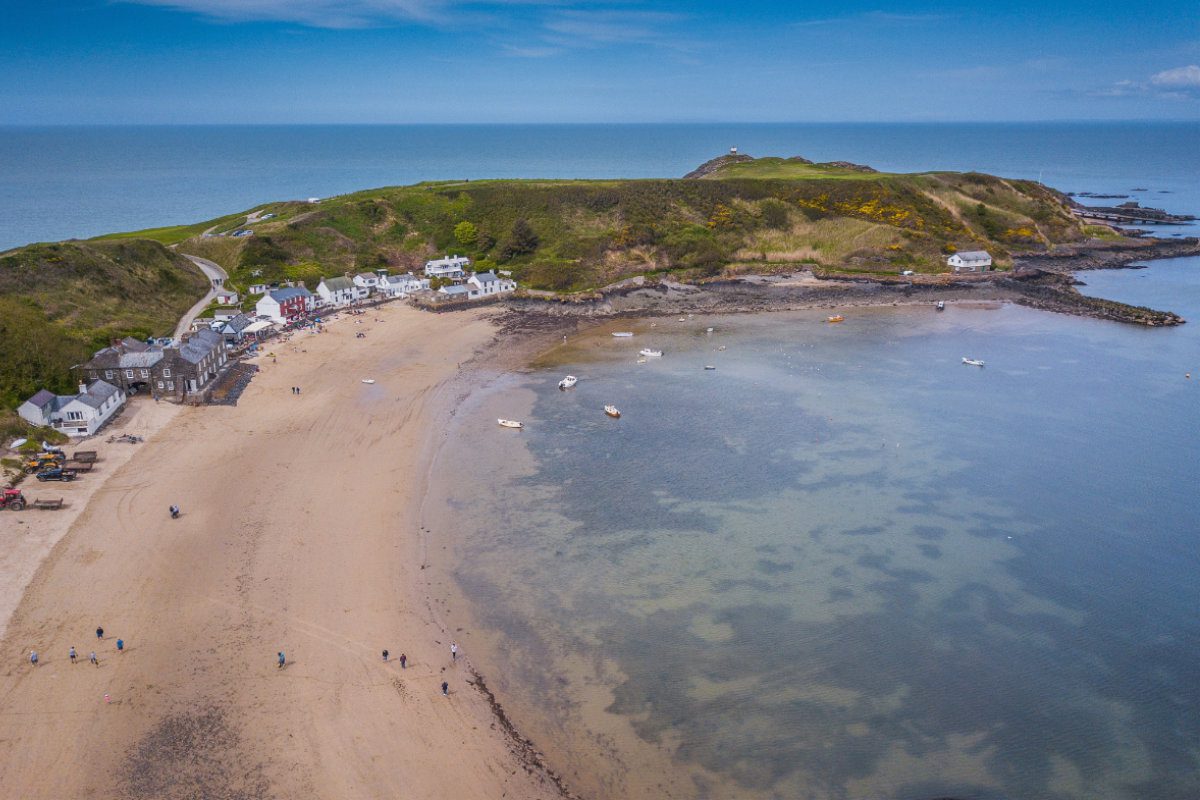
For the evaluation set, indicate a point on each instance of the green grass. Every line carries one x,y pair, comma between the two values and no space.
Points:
785,169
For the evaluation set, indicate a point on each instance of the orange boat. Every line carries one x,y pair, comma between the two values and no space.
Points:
835,318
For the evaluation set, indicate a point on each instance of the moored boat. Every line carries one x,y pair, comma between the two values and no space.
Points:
622,334
509,423
612,411
974,362
648,353
709,366
368,380
941,305
835,318
568,382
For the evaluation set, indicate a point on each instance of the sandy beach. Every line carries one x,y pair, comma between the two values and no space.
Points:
299,534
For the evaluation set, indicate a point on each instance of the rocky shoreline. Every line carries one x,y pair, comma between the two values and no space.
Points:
1042,280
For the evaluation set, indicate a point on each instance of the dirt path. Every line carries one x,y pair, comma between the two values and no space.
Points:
299,534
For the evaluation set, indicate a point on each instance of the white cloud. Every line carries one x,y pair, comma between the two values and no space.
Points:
1179,78
878,17
333,13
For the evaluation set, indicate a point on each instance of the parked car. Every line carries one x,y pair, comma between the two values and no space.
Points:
57,474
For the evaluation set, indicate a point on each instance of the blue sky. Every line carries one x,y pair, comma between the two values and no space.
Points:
367,61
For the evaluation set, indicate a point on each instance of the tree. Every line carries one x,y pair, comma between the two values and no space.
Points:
466,234
521,241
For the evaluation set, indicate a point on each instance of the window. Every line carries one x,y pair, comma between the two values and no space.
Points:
128,373
167,373
75,416
170,386
108,373
145,373
160,384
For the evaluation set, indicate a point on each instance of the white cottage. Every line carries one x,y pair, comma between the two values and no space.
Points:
75,415
339,292
970,261
488,283
227,296
453,267
367,280
401,285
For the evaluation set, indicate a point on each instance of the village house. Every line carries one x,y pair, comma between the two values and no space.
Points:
128,364
339,292
368,281
284,305
401,285
234,330
462,291
192,366
258,288
79,414
970,261
452,267
488,283
227,296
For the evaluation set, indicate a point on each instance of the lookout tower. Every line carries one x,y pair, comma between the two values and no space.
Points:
733,150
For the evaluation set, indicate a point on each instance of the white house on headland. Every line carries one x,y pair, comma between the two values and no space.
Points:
970,261
339,292
75,415
227,296
401,285
453,267
488,283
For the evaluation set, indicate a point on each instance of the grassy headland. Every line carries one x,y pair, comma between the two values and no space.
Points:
732,216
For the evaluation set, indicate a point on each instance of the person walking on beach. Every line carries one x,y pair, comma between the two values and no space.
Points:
385,655
282,660
120,645
99,632
445,689
93,659
33,657
72,654
403,661
454,651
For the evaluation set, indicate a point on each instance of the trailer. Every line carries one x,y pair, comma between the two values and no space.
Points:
46,504
79,466
85,456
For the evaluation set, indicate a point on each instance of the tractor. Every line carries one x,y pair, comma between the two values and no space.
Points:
44,461
12,498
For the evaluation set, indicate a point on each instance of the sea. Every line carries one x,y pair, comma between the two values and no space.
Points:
77,182
839,565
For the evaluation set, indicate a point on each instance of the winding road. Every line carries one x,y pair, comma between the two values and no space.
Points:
216,277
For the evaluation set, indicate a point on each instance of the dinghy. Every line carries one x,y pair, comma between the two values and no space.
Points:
623,334
648,353
612,411
509,423
974,362
568,382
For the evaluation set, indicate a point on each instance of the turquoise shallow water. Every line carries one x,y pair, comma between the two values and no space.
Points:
843,564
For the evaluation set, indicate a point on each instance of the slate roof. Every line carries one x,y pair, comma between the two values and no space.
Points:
454,290
97,394
238,324
975,255
202,344
486,277
342,284
280,295
42,398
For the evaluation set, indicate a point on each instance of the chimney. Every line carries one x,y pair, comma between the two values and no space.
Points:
82,388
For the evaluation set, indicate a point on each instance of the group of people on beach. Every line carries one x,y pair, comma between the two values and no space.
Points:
281,662
73,654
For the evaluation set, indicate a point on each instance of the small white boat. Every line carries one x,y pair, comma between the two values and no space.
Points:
641,361
612,411
708,330
709,366
568,382
722,347
368,380
648,353
941,305
974,362
622,334
509,423
681,319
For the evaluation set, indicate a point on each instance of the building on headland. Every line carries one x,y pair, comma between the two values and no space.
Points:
339,292
284,305
489,283
452,267
128,364
402,285
970,261
79,414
